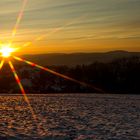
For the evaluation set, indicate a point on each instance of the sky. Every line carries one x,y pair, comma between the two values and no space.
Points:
67,26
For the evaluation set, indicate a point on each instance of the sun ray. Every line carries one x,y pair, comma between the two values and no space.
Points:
20,15
1,64
41,37
59,74
22,90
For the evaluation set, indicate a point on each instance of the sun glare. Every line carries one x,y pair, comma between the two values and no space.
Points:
6,50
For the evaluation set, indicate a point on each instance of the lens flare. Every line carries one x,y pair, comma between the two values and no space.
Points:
1,64
59,74
22,89
20,15
55,30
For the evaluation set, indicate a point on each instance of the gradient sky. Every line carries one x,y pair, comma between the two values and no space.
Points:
72,25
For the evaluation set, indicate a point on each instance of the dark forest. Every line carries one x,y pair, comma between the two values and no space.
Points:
121,76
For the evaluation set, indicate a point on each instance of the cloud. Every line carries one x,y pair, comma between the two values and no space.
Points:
104,19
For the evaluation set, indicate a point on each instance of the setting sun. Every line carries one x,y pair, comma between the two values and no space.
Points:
6,50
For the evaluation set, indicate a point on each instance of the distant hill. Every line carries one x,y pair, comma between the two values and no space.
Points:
78,58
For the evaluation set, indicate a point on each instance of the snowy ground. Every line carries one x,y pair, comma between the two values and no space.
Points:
70,117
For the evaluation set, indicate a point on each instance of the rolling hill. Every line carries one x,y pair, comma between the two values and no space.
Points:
78,58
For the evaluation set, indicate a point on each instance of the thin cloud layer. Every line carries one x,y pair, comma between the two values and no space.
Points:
81,22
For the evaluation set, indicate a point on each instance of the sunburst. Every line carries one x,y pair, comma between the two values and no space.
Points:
6,51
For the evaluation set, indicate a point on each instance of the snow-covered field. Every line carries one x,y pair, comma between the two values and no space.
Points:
70,117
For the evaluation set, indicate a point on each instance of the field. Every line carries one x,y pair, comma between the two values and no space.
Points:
70,117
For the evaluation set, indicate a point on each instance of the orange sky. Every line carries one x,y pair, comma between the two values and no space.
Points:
71,26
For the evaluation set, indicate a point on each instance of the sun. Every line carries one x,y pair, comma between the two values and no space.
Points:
6,50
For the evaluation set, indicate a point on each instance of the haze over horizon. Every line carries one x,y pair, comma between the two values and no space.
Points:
72,26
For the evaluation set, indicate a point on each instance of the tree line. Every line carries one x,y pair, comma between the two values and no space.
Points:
121,76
